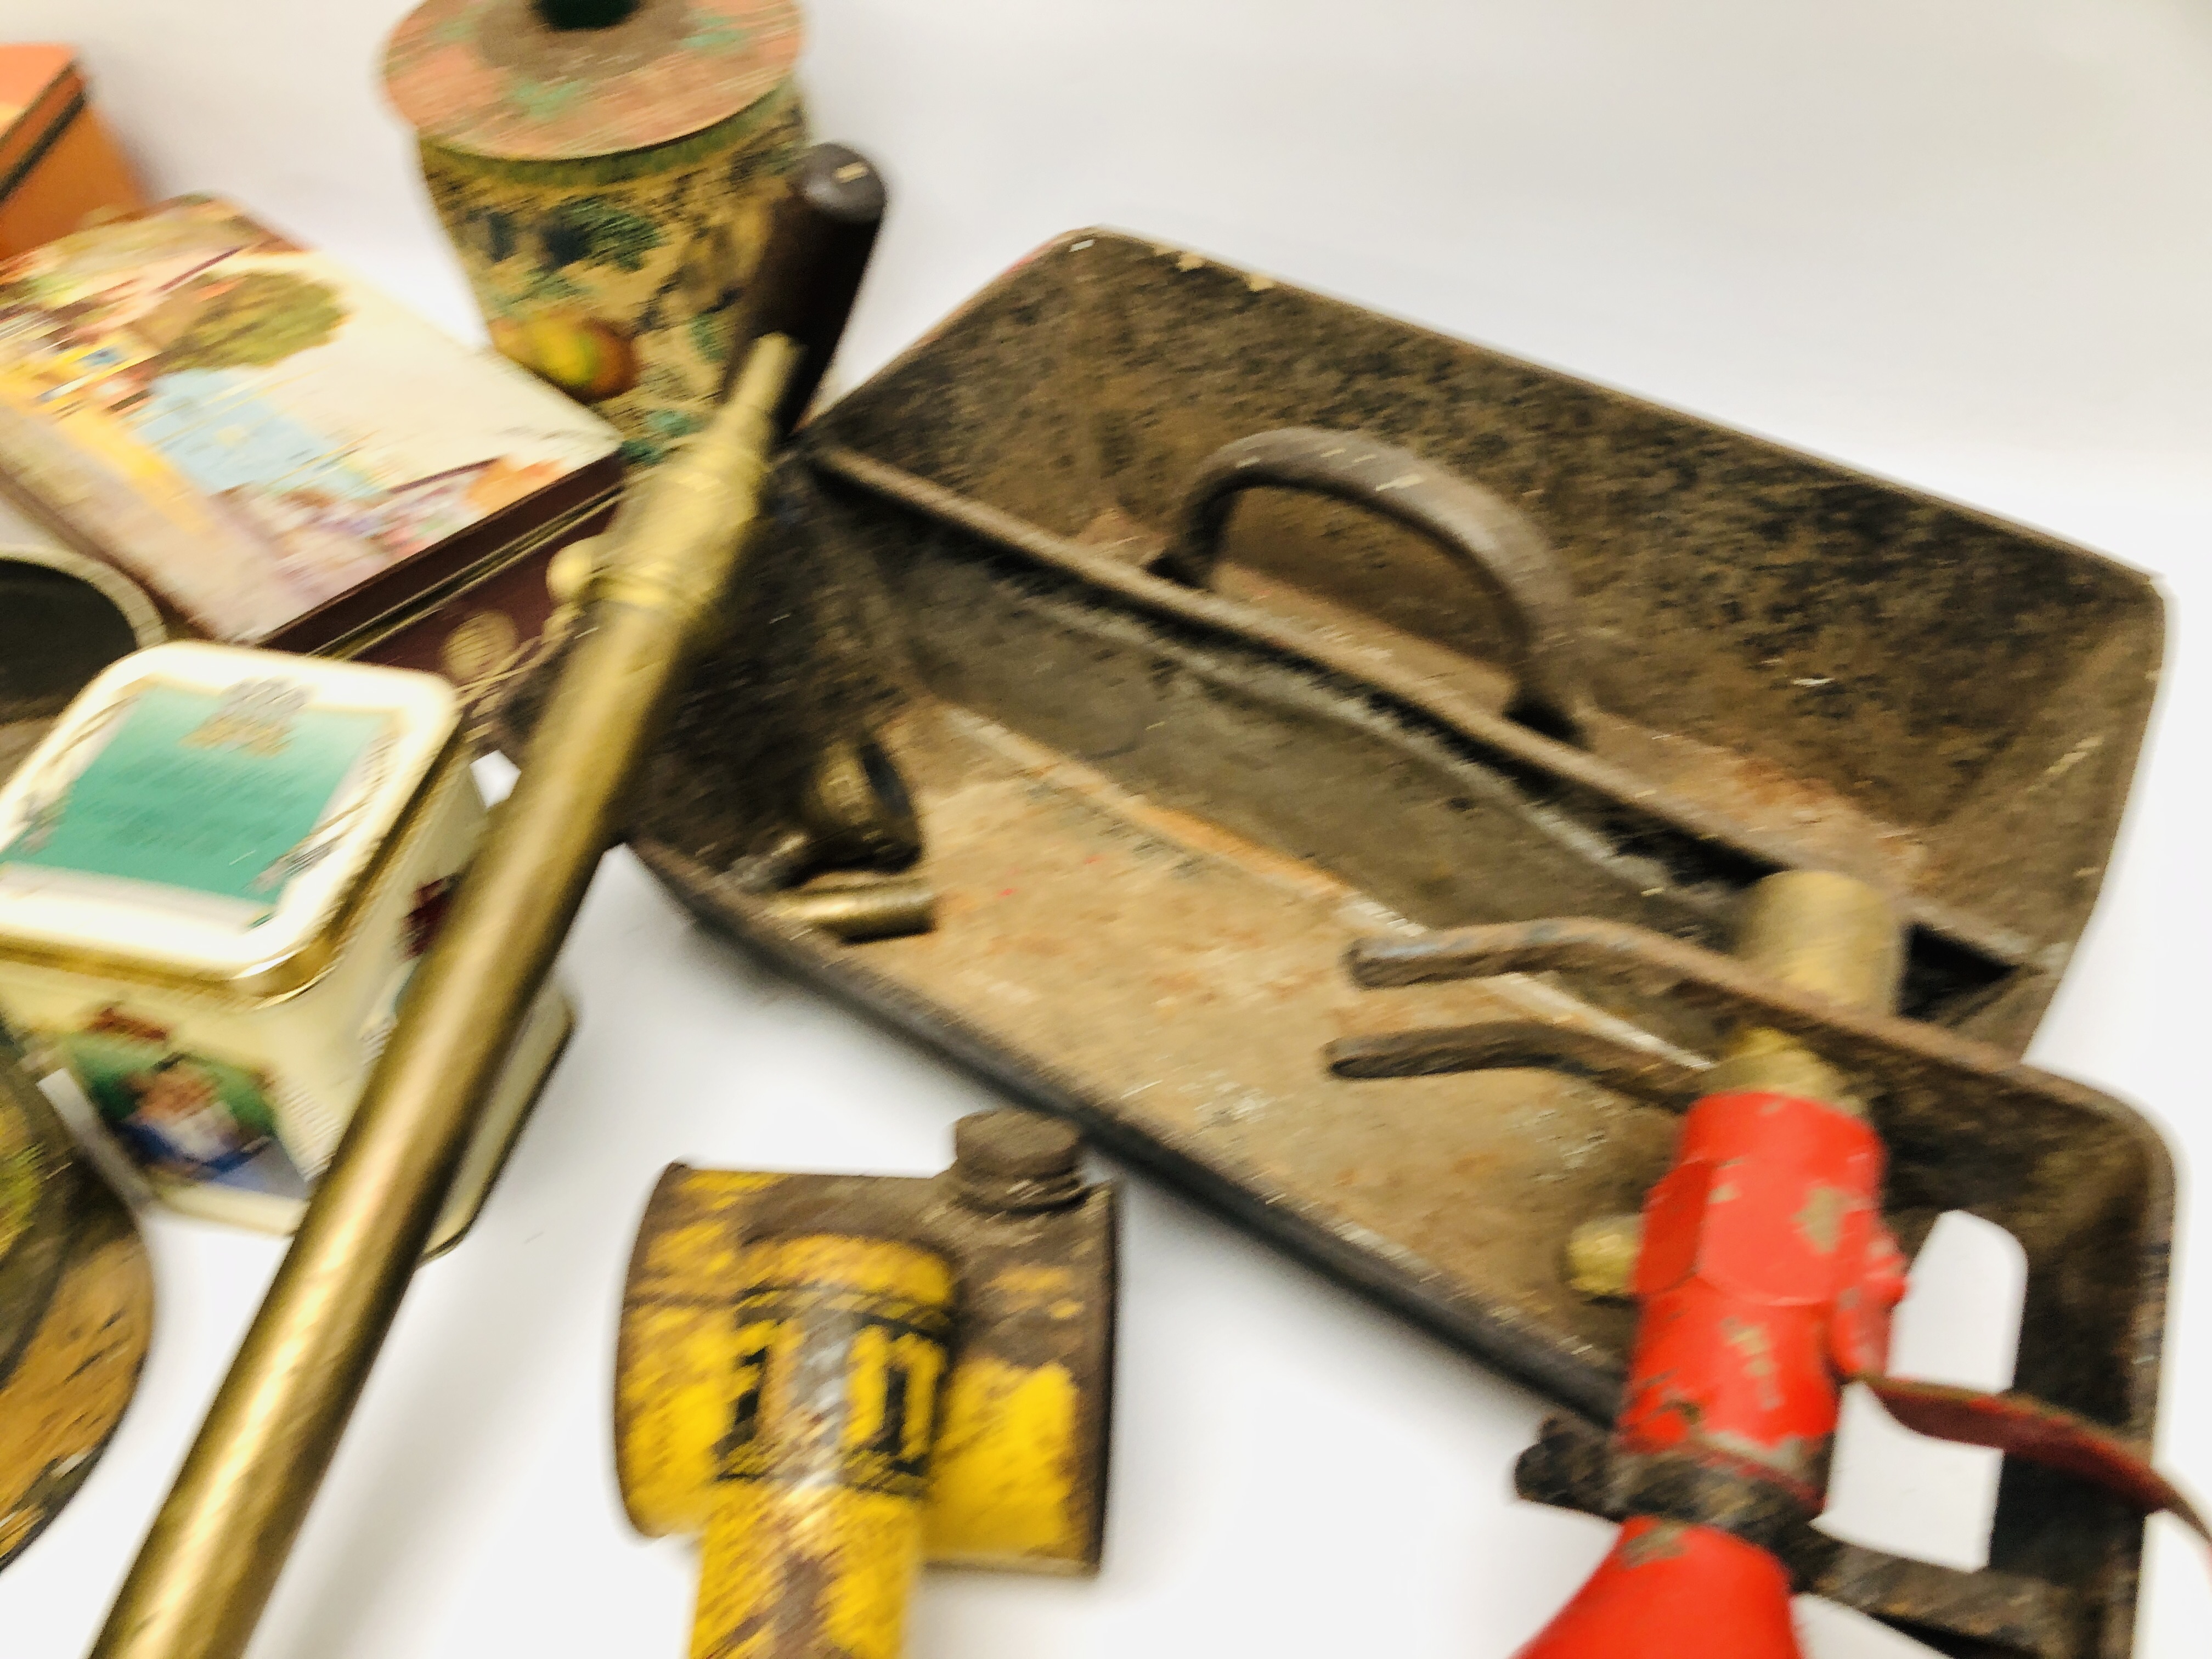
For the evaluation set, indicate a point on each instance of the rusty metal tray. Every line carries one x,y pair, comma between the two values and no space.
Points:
1778,661
1171,762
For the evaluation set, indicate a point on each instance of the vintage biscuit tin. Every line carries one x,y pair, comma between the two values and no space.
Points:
606,186
272,453
216,873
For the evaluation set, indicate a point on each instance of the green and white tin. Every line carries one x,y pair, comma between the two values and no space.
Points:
217,872
606,187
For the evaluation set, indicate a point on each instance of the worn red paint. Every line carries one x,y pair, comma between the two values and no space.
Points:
1675,1592
1767,1276
1765,1271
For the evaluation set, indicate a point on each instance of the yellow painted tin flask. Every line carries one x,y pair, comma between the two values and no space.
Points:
816,1529
837,1378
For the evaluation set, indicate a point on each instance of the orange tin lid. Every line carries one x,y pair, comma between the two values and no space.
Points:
40,91
496,78
57,165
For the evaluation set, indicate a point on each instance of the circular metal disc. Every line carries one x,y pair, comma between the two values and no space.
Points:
76,1310
490,78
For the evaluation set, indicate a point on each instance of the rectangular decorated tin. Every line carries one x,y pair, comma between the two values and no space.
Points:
275,452
216,873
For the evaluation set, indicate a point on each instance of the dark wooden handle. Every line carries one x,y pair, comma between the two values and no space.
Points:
823,229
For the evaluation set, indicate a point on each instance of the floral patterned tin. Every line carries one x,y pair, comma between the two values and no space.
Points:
216,873
607,188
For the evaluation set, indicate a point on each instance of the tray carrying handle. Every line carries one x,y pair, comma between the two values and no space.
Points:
1492,541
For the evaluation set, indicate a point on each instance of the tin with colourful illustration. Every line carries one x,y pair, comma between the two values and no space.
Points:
217,872
225,435
604,169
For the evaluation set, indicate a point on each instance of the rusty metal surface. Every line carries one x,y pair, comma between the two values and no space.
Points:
1789,662
1626,1068
1161,981
1157,815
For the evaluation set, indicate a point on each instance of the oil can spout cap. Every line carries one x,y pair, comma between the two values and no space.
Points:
1016,1162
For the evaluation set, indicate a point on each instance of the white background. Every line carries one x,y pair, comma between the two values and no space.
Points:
1962,243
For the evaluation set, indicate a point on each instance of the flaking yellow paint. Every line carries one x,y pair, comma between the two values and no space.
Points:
1002,1488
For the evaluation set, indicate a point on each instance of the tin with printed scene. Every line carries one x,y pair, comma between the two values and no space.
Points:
604,170
217,872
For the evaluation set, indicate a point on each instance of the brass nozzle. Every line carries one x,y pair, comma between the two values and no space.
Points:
1829,934
1601,1256
859,908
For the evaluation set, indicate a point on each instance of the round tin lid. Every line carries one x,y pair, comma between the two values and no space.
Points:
496,78
62,618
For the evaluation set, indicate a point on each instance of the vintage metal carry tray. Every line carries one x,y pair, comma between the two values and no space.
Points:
1206,628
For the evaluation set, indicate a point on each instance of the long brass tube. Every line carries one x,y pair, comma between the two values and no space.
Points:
213,1555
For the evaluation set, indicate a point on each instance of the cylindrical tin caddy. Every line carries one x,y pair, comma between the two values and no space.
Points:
605,171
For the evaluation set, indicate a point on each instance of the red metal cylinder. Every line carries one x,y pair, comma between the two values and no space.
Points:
1765,1271
1668,1591
1766,1274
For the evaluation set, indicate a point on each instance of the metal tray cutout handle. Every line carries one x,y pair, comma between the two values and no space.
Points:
1494,542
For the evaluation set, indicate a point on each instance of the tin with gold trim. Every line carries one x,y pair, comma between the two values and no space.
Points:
216,873
393,496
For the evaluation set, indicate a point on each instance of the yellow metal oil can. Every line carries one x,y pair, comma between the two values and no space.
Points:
835,1378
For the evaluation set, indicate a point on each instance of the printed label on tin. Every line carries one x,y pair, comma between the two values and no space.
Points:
185,1114
836,1380
226,793
246,428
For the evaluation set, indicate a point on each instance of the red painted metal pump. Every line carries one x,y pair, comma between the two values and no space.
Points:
1765,1276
